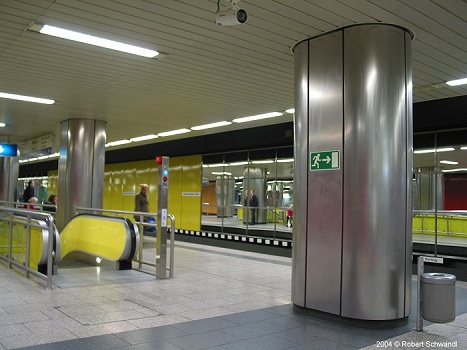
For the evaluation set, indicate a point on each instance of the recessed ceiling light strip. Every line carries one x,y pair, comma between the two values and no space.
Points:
26,98
92,40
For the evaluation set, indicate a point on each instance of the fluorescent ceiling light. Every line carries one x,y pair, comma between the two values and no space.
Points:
2,125
464,148
457,82
238,163
217,165
143,138
173,132
92,40
453,170
26,98
116,143
448,162
447,149
262,161
209,126
290,110
289,160
220,173
257,117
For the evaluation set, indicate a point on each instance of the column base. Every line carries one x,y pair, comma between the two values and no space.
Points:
353,322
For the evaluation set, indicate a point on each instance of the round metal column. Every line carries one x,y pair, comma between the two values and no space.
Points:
353,172
9,167
80,167
254,179
225,189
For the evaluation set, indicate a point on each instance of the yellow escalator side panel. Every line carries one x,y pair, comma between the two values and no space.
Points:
95,236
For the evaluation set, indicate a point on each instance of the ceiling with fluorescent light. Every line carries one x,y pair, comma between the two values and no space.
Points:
206,73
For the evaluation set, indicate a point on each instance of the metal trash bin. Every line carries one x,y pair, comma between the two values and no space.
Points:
438,295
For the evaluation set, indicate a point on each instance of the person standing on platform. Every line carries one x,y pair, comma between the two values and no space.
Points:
141,202
29,191
51,204
31,202
253,205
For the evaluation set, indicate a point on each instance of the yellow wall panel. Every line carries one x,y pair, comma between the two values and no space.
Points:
52,184
122,182
107,189
191,193
128,187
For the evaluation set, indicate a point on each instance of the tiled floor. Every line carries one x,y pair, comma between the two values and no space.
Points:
218,299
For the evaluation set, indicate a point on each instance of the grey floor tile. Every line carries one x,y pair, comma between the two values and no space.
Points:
324,344
203,340
253,330
206,325
267,342
304,334
103,342
155,345
150,334
250,316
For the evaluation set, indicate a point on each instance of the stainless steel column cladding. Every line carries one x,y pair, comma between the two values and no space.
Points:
9,167
225,192
353,173
255,179
80,167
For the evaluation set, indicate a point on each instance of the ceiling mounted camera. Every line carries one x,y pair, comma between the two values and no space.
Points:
232,16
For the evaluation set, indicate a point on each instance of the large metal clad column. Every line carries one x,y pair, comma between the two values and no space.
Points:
9,170
325,127
355,174
255,178
300,199
428,189
80,167
225,190
375,183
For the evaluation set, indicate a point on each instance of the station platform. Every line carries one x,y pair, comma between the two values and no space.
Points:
218,299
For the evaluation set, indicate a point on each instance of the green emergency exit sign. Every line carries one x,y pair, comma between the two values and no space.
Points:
326,160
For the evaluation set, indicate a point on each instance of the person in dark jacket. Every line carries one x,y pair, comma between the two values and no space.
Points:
253,204
141,202
28,191
51,204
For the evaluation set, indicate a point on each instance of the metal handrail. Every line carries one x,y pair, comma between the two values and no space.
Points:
29,214
37,206
172,244
441,212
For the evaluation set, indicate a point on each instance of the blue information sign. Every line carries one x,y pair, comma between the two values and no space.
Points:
8,150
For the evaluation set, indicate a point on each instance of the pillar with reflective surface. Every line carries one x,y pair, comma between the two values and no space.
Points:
9,168
353,174
80,167
428,189
225,191
255,179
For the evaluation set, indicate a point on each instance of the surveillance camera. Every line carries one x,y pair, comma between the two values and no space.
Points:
231,17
